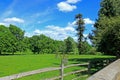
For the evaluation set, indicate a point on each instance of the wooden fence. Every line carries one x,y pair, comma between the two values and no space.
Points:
61,77
61,69
92,64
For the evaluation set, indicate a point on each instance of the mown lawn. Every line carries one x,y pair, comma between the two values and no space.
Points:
13,64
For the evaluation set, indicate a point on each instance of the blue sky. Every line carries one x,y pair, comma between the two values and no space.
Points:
54,18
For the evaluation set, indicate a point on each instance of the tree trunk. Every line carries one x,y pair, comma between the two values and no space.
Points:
0,52
12,52
62,69
38,52
118,56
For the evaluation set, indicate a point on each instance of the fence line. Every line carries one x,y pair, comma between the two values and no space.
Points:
61,77
72,65
29,73
61,68
19,75
73,72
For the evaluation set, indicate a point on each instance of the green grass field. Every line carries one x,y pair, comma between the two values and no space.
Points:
13,64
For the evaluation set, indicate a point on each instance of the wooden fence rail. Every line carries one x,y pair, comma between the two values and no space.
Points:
72,65
61,68
73,72
15,76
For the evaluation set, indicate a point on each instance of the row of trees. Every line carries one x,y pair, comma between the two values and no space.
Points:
12,40
106,36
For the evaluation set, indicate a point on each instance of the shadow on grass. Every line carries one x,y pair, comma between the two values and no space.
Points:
95,64
86,60
10,54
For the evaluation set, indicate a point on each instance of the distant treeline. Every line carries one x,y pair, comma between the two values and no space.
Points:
12,40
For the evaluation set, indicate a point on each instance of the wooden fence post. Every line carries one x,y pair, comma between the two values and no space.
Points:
62,69
89,67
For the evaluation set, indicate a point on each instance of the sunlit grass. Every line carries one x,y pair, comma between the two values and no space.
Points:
13,64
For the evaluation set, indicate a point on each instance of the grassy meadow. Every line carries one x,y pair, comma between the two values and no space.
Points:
12,64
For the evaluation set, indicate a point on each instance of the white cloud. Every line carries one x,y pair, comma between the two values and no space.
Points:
68,28
52,27
5,24
85,35
73,1
2,23
72,24
37,31
57,32
61,33
28,34
65,7
14,19
88,21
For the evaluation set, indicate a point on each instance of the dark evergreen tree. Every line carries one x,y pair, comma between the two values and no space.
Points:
105,35
80,29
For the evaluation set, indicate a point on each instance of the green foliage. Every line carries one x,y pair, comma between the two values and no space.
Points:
109,8
111,37
80,29
7,40
70,45
107,28
12,40
19,35
43,44
86,47
17,32
93,51
22,63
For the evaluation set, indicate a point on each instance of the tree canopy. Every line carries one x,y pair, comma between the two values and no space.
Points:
106,35
80,29
12,40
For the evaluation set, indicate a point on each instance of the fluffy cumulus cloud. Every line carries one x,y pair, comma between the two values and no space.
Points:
2,23
67,6
57,32
57,28
37,31
61,33
73,1
13,19
88,21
